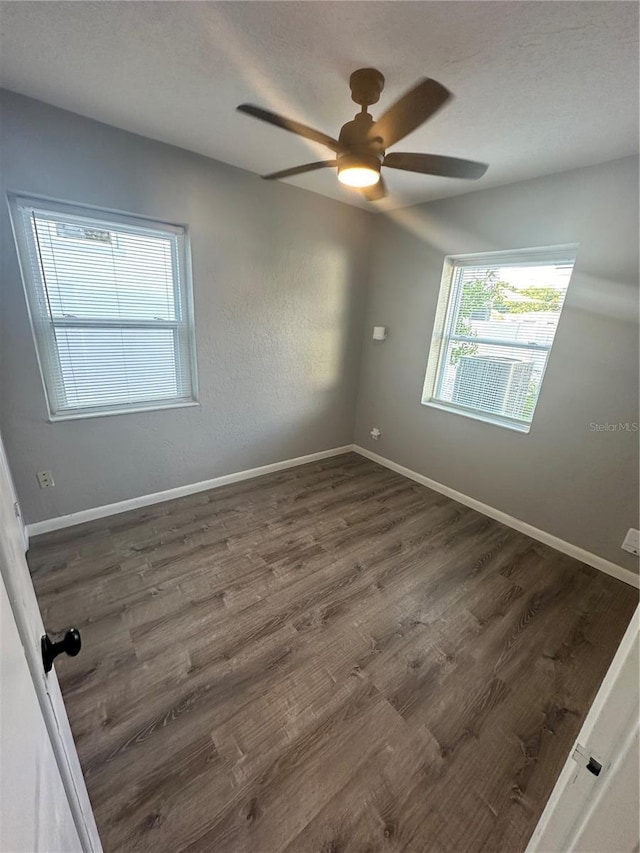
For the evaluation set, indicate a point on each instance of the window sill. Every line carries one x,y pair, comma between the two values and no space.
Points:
514,426
153,407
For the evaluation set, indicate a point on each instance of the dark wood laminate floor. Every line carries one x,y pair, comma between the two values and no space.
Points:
323,660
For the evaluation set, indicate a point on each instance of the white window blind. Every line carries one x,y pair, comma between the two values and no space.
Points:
110,306
495,325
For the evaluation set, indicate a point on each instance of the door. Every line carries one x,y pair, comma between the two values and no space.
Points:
594,805
18,513
44,784
36,817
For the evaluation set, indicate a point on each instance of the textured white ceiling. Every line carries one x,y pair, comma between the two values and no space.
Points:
539,86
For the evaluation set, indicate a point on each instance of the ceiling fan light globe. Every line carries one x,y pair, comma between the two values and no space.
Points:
358,176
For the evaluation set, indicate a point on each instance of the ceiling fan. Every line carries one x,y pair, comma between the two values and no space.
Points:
362,143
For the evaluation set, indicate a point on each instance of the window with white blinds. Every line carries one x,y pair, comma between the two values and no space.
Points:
495,324
111,310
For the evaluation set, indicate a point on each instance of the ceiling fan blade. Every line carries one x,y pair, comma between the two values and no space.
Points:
413,108
375,192
289,124
299,170
434,164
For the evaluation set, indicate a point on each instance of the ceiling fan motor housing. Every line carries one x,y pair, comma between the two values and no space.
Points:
357,148
356,135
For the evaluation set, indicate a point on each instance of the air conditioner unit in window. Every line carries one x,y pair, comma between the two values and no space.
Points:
492,384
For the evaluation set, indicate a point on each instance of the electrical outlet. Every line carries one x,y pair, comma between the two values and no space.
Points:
375,433
45,479
632,542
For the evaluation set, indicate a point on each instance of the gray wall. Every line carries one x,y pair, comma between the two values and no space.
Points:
279,277
563,478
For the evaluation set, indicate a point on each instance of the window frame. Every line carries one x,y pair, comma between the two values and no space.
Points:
42,326
449,297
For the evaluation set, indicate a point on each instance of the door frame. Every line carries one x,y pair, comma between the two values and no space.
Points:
24,605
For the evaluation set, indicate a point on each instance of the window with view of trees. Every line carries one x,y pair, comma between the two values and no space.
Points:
495,324
110,305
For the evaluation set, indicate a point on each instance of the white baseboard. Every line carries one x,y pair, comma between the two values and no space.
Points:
61,521
622,574
578,553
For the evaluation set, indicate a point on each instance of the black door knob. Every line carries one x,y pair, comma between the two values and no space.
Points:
70,644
